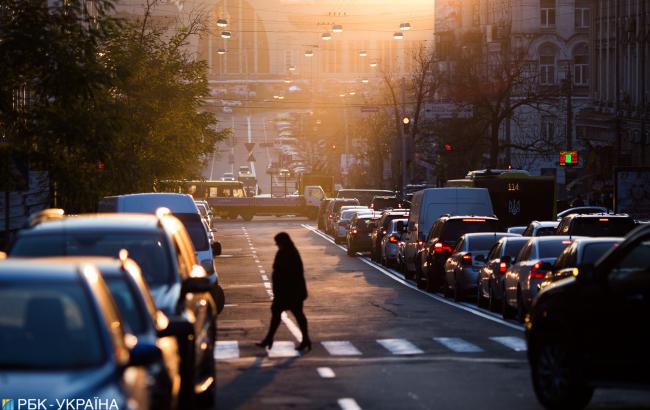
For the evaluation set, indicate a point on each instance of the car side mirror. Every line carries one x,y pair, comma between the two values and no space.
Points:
177,326
144,354
216,248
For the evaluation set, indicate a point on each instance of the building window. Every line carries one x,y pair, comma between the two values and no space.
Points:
582,17
547,65
548,125
476,14
547,13
581,65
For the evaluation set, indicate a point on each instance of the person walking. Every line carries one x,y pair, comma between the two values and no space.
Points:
289,290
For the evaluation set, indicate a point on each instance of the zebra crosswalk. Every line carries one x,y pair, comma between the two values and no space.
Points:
230,349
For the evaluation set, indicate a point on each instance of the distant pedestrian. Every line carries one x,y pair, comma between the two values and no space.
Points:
289,290
578,201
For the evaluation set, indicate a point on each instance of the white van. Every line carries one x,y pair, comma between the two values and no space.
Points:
182,206
430,204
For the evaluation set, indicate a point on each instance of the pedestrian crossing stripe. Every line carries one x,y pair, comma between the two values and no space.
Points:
229,349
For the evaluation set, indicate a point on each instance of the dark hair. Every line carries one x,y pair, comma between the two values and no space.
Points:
284,241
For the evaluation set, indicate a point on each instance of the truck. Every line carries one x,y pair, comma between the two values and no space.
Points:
229,200
313,179
517,197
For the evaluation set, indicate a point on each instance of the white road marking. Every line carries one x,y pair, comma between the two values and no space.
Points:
326,372
267,285
293,328
396,276
259,266
348,403
340,348
253,251
399,346
226,349
283,349
515,343
458,345
230,305
262,271
265,278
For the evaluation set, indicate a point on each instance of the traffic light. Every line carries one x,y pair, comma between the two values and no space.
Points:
448,147
568,158
333,146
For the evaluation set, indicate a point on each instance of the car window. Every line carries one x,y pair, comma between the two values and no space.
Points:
524,253
128,303
48,326
593,251
565,257
513,248
460,246
528,231
195,229
546,231
602,226
455,228
495,251
551,249
635,262
481,243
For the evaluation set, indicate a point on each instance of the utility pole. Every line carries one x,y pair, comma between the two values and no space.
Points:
568,83
405,122
643,35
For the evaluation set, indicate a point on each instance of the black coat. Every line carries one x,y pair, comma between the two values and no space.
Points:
289,287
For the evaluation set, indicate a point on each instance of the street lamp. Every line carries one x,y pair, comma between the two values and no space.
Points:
337,28
221,51
406,120
373,64
398,35
226,34
365,81
405,26
363,53
292,68
342,95
309,53
352,92
288,81
326,36
221,22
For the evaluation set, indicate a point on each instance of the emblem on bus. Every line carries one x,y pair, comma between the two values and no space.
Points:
514,206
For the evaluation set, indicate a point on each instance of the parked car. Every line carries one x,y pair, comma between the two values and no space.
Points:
182,206
322,212
469,256
382,228
490,277
333,207
430,204
364,196
61,335
541,228
516,229
588,331
389,246
439,245
612,225
361,226
581,253
228,176
343,222
380,203
522,280
162,248
582,210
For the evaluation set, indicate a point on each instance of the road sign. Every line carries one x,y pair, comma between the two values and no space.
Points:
568,158
251,157
369,109
249,146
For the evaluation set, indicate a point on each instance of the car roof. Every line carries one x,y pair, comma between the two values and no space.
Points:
40,269
553,238
149,202
586,241
515,237
448,217
488,234
545,224
599,215
108,222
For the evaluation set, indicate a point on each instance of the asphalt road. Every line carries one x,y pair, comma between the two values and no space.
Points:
379,343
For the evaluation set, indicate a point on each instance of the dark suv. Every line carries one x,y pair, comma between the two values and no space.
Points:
596,225
162,248
590,330
440,243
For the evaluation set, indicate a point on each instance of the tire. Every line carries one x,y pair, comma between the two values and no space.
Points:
506,310
492,301
231,216
407,273
419,276
247,217
480,300
432,283
520,314
458,293
351,252
337,240
556,381
207,398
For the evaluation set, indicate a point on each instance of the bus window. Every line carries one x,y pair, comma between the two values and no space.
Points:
213,192
238,193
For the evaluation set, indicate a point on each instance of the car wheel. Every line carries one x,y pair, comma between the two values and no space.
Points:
480,300
419,275
207,397
407,273
432,283
492,301
458,294
521,311
506,310
247,217
351,251
555,381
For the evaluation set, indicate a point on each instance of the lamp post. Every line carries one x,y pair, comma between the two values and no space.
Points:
405,122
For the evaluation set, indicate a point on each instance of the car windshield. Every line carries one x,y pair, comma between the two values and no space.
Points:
602,226
148,250
455,228
593,251
46,326
482,243
195,229
379,204
128,303
552,249
364,225
339,204
513,247
546,231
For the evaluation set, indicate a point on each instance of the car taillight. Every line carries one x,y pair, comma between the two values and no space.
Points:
420,243
503,267
536,272
441,247
392,239
466,259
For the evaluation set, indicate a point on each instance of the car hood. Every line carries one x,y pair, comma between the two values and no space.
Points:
166,297
103,382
